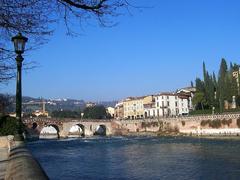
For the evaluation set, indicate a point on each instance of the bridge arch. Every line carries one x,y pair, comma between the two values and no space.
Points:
50,131
101,130
77,130
34,125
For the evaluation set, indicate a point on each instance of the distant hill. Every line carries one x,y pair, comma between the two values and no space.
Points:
31,104
108,103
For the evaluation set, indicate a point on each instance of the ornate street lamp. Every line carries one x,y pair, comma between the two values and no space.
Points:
19,42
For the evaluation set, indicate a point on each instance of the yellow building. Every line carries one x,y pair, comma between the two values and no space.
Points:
40,113
134,106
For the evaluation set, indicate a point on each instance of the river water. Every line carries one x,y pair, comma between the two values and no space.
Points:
138,158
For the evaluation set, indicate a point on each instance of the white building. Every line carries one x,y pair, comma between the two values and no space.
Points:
167,104
110,110
189,92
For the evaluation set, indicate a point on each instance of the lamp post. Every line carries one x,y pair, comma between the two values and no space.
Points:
19,47
214,101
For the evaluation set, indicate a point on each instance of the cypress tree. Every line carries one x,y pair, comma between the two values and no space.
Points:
222,84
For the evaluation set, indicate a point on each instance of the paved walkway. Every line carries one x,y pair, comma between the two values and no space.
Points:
3,162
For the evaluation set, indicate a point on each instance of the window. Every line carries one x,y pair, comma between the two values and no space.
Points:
157,104
167,97
176,104
168,104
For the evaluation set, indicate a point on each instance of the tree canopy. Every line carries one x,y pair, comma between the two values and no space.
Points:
66,114
213,92
96,112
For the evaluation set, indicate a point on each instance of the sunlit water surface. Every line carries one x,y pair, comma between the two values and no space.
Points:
138,158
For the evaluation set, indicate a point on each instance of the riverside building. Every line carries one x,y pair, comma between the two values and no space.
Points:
236,75
134,106
167,105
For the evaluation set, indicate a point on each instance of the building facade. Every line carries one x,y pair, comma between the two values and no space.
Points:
134,106
167,105
188,92
236,75
111,111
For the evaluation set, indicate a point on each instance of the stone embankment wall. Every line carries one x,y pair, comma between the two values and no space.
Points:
228,124
20,165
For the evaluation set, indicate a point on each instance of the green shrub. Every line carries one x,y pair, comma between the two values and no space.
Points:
9,126
226,122
215,123
205,122
238,122
183,123
155,124
149,124
202,112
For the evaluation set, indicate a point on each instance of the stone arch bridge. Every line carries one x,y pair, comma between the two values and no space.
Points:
63,128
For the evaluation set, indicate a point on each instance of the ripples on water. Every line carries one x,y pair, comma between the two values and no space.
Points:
138,158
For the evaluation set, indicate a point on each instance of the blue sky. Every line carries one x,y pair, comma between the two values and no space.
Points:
157,49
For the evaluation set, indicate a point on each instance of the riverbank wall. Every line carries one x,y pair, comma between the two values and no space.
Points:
19,164
217,125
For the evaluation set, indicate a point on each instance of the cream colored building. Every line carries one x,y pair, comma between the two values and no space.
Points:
134,106
40,113
110,110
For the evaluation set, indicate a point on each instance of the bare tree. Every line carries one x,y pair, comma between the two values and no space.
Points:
36,19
